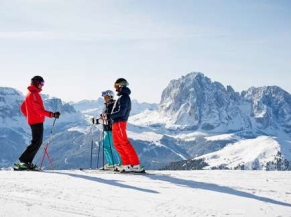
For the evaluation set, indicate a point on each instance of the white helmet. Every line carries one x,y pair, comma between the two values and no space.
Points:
108,93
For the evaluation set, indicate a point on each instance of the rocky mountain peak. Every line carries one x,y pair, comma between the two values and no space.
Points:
194,101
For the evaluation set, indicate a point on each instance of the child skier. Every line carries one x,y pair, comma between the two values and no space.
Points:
111,155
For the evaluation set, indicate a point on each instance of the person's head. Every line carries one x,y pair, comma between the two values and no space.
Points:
108,95
37,81
120,83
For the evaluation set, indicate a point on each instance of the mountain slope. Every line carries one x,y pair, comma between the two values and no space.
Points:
260,153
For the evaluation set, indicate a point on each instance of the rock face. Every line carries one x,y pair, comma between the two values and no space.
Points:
194,102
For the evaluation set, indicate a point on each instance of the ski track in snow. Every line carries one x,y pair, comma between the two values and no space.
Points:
167,193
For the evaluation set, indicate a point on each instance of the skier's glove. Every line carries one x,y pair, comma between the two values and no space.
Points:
56,114
104,116
99,121
102,121
95,121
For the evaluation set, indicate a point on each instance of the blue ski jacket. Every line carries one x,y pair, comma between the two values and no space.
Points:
122,106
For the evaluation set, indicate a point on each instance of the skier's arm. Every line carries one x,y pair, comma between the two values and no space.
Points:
37,105
121,109
23,109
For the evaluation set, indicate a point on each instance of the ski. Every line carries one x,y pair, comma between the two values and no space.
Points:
100,171
132,172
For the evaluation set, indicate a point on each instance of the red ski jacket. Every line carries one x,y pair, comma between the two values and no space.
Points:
32,107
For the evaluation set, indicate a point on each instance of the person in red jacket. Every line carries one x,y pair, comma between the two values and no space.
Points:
33,109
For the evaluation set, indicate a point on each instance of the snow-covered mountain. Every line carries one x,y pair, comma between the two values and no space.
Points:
195,103
90,108
197,120
12,126
261,153
204,117
93,108
271,109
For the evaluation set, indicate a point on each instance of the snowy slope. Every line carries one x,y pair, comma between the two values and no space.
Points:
252,153
166,194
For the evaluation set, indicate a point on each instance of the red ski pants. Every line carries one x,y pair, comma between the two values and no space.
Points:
122,144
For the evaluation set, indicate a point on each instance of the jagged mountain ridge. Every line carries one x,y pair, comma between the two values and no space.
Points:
194,103
271,106
201,104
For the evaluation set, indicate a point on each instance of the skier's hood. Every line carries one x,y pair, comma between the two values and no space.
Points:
33,88
124,91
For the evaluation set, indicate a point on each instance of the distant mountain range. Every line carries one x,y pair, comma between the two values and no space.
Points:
198,124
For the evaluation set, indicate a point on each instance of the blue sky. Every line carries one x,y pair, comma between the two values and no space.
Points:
81,47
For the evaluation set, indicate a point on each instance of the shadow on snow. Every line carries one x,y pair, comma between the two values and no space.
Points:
182,183
215,187
105,181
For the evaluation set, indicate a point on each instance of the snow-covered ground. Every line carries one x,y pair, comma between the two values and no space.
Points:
167,193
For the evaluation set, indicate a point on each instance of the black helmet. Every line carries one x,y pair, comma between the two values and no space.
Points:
36,80
120,82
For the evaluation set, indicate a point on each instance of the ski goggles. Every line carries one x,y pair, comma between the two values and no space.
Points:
41,83
117,85
104,93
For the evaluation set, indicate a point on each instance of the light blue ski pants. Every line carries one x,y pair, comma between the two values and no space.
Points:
111,155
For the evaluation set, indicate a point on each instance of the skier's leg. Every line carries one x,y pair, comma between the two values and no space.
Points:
126,145
107,148
31,150
117,137
115,154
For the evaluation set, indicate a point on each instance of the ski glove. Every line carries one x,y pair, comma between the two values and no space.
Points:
56,114
94,121
99,121
104,116
103,121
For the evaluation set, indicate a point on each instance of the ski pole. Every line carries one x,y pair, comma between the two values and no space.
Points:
103,145
91,155
46,148
49,159
99,144
110,144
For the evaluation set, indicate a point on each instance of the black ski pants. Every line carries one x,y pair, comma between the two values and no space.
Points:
31,150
